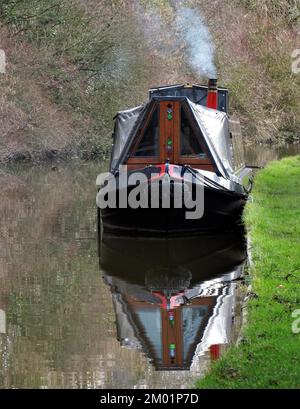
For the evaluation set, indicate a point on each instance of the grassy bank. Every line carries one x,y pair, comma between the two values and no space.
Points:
268,356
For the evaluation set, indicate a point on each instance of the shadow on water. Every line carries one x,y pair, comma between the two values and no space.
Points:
163,304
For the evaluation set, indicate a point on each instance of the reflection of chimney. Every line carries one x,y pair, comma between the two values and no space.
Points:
214,352
212,94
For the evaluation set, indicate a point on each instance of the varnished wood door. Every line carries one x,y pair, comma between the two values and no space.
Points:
169,129
169,140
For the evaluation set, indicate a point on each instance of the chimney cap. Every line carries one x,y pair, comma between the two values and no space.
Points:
213,80
213,83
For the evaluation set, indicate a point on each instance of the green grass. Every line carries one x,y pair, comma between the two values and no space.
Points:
268,356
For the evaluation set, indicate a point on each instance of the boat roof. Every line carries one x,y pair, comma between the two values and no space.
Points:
194,92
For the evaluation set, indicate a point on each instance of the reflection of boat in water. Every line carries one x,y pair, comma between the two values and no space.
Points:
182,131
173,298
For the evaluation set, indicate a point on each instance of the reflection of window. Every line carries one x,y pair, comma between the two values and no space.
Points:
192,318
150,319
149,144
189,143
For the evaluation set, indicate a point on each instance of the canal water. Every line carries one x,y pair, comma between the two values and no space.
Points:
120,313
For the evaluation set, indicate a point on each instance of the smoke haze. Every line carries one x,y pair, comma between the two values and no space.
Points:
180,31
200,50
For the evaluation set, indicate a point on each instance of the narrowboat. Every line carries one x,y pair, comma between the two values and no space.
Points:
177,151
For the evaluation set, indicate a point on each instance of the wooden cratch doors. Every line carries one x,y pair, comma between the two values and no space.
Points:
170,343
170,134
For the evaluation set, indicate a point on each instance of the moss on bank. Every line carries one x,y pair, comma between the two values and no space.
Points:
268,356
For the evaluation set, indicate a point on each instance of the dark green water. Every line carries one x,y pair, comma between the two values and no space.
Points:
65,322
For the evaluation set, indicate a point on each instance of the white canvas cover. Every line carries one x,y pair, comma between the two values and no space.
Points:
125,123
214,126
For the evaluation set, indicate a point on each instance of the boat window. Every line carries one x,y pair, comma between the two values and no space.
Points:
149,144
189,143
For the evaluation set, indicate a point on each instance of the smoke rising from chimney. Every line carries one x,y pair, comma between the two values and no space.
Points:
200,50
180,30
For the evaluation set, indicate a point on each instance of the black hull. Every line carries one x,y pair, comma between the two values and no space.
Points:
222,212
